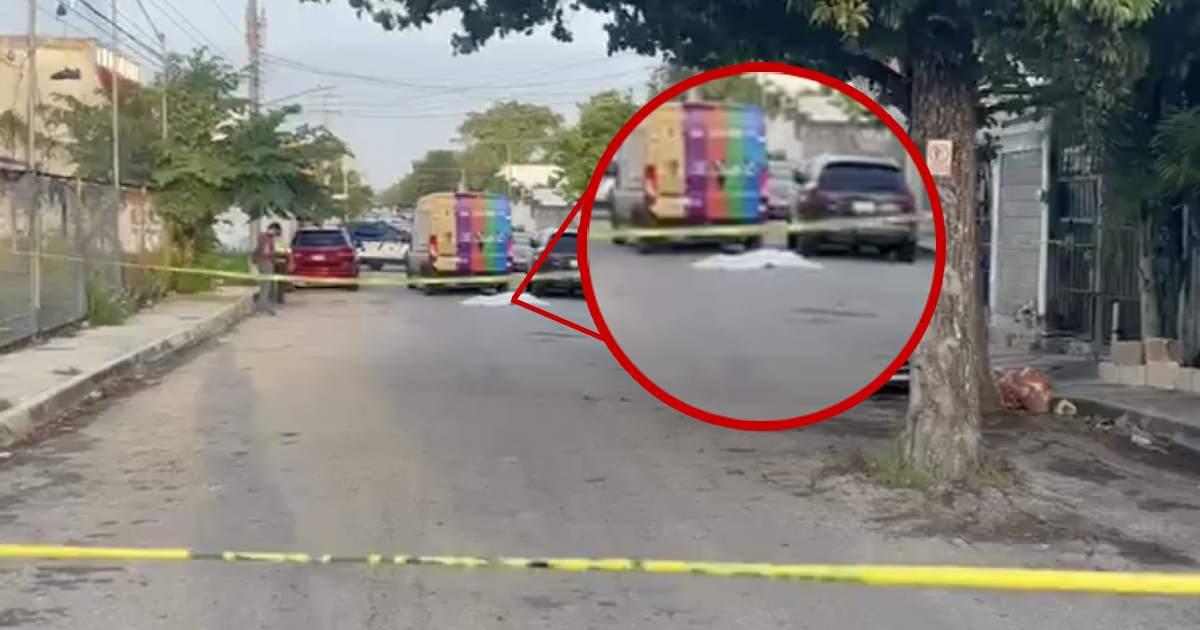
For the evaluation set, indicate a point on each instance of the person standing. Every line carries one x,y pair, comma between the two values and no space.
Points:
280,259
264,260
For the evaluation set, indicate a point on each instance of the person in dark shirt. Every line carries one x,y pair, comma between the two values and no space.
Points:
264,261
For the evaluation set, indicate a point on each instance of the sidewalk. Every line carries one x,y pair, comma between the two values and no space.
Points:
1171,415
39,383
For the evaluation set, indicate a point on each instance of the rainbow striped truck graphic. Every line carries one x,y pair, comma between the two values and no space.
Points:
692,164
463,235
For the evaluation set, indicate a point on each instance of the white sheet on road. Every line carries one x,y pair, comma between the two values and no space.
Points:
757,259
501,299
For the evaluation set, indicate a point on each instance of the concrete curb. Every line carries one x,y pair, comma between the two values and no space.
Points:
19,421
1181,434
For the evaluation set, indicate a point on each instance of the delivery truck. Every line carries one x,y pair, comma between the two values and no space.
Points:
688,165
461,235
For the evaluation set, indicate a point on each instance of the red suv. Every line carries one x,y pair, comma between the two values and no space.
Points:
324,253
842,187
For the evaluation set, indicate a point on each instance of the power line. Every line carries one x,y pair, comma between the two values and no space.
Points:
221,10
299,65
109,21
202,41
386,115
154,62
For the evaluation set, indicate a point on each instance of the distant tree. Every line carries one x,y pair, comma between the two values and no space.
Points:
438,170
579,148
14,135
513,130
745,89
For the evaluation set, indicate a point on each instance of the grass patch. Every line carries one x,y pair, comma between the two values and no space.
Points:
188,283
889,467
994,472
107,306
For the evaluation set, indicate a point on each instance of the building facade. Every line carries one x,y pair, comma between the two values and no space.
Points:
66,67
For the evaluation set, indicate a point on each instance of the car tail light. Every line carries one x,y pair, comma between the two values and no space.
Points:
433,246
816,202
909,205
651,181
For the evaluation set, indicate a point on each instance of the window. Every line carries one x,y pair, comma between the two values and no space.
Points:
861,176
566,244
319,238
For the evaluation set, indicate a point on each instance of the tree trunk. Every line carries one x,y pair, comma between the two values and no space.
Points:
1151,319
942,435
989,394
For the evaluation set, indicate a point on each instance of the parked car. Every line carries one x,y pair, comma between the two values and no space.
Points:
563,257
326,253
379,243
783,190
521,255
849,186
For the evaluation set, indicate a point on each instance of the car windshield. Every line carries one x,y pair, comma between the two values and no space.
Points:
567,245
861,176
319,238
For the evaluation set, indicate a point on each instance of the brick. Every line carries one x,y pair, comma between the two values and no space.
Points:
1128,353
1160,349
1109,373
1161,374
1131,374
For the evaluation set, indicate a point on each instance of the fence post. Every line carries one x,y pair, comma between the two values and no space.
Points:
35,261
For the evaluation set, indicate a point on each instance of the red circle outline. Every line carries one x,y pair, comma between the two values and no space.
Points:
589,197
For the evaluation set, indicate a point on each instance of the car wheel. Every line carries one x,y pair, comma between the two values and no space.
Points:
375,266
907,252
537,290
754,242
807,246
643,246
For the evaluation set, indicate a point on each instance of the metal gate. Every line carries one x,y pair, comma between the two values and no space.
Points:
1092,263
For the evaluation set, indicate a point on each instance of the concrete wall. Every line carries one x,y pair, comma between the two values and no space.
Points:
81,231
1019,220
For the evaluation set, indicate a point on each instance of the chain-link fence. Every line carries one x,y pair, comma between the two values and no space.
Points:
59,239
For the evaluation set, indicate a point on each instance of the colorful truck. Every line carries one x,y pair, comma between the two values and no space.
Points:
692,164
461,235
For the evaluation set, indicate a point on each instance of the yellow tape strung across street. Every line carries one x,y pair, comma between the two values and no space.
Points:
1009,579
370,281
684,232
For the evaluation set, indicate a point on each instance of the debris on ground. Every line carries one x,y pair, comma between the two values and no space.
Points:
1024,388
756,259
69,371
1065,407
501,299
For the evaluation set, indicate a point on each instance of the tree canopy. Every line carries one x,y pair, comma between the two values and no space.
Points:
438,170
579,148
510,130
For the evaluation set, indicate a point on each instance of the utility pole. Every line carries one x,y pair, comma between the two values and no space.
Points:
254,43
162,41
116,103
255,21
31,100
35,262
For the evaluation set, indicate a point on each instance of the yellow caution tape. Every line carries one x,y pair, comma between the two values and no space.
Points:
986,578
376,281
754,229
775,229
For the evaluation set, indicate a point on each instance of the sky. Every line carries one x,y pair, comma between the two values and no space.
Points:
416,90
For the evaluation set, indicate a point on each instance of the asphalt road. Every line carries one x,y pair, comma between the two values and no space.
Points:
394,422
759,344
